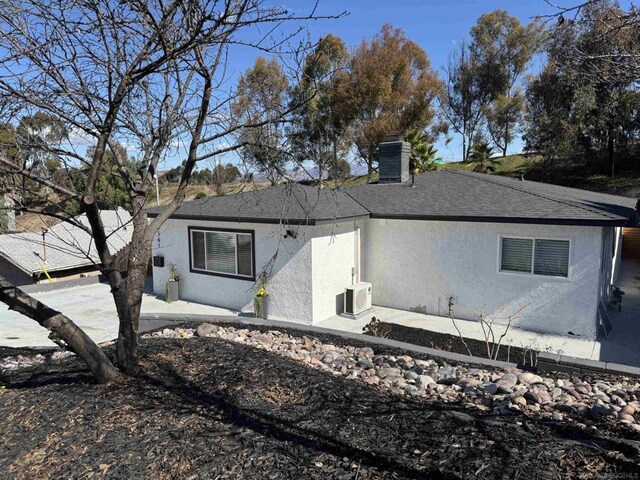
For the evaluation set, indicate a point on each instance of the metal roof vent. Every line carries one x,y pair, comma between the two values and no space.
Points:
393,159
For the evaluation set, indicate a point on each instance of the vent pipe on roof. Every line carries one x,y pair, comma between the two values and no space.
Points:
393,159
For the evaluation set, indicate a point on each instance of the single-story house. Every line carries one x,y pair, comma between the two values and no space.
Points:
64,251
540,256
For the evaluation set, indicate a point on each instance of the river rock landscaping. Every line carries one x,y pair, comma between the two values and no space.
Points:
223,401
502,392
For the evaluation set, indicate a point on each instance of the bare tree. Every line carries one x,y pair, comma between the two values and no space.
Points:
147,74
63,331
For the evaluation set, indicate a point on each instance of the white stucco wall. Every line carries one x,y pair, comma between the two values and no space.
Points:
414,263
308,273
333,252
289,288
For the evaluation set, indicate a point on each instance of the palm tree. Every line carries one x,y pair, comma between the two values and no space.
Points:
481,155
423,156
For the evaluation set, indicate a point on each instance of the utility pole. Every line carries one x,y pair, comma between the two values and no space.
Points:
157,189
44,244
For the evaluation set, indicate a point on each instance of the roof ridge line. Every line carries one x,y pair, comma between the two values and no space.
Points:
351,197
562,202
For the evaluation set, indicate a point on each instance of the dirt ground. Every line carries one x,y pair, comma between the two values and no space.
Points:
206,408
452,343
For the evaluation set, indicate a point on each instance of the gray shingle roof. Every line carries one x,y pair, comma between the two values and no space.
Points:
67,245
467,196
442,195
293,203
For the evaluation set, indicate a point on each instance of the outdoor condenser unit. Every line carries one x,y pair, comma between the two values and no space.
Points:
357,298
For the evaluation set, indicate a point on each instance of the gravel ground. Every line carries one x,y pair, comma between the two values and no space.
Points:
210,408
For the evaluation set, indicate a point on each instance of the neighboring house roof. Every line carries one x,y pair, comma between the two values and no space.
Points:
450,195
67,246
292,203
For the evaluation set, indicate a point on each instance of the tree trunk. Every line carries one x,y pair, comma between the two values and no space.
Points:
61,328
506,136
128,295
610,151
464,142
127,344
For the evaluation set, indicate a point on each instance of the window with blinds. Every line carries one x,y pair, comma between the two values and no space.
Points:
226,253
535,256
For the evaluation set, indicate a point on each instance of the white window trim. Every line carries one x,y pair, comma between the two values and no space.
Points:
533,257
214,272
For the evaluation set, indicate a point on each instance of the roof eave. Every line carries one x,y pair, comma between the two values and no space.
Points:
234,219
18,266
265,220
621,222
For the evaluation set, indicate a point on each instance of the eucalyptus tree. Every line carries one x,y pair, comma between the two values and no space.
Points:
262,102
620,26
391,89
503,48
319,129
466,96
584,105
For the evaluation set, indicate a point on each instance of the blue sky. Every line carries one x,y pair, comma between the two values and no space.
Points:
434,25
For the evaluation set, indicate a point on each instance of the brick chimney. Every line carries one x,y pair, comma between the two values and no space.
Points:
393,159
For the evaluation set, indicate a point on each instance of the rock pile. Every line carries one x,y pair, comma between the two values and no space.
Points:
492,390
22,361
502,392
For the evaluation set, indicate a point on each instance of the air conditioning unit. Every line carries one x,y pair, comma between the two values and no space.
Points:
357,298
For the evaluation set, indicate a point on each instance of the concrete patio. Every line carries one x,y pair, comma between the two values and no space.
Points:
92,308
515,337
622,346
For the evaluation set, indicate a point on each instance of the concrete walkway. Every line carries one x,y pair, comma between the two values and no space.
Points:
623,344
92,308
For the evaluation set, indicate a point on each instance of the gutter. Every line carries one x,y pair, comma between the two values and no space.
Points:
493,219
381,216
273,221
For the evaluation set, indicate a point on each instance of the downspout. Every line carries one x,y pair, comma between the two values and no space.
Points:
355,272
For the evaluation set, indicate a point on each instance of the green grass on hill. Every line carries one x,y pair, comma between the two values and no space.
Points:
510,166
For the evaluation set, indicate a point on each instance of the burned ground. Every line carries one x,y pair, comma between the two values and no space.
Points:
206,408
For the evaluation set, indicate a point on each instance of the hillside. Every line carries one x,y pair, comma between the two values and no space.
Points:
168,190
510,166
532,167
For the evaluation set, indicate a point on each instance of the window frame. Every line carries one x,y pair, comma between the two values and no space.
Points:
204,230
533,257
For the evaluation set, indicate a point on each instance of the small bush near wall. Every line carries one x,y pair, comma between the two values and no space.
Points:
419,309
451,343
